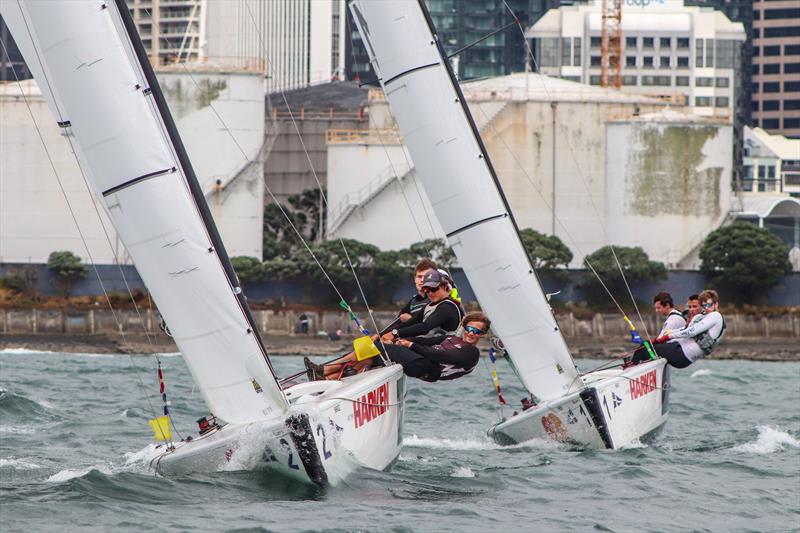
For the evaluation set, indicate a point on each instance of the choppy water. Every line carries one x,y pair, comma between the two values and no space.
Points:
74,449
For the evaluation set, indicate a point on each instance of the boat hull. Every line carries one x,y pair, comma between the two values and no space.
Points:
615,409
331,429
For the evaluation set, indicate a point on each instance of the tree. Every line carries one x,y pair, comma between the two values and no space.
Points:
281,268
68,269
546,252
247,269
635,264
309,204
436,249
745,260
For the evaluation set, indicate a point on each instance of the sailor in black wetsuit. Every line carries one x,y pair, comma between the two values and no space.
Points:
441,357
417,303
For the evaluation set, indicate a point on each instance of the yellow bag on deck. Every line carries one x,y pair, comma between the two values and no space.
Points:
161,428
365,348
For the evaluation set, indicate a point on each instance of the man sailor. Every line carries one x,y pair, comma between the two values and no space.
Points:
683,347
664,306
692,307
420,299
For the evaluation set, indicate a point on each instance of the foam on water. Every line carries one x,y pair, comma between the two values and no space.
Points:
463,471
19,464
770,439
700,373
26,351
143,456
17,430
67,474
475,444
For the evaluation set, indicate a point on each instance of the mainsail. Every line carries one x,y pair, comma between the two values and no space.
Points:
95,76
458,176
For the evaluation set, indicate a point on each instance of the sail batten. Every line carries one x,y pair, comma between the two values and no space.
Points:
92,68
462,186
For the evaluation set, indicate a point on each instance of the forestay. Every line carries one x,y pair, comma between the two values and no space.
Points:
458,177
107,101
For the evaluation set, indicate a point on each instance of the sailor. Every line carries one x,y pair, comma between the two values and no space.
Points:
442,315
435,358
683,347
664,306
692,307
420,299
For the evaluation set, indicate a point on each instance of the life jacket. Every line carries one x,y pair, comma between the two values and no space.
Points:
431,307
448,371
706,342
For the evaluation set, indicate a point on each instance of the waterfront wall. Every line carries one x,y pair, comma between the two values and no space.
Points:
286,322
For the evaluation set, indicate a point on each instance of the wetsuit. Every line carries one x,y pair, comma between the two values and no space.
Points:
440,358
442,317
415,306
688,344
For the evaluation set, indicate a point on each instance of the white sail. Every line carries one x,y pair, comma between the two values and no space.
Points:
456,172
94,74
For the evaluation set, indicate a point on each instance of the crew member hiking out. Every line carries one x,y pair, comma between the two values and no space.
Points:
664,306
684,346
417,303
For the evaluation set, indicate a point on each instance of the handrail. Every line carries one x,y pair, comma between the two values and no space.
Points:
371,136
354,199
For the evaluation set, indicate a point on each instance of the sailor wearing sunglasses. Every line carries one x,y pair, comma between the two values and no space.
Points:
684,346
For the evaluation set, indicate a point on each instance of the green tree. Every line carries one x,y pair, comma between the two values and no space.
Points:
546,252
248,269
436,249
635,264
68,269
281,268
744,260
309,204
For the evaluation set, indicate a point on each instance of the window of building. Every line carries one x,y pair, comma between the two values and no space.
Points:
721,101
762,171
628,80
663,62
771,87
756,33
756,51
648,42
548,51
770,172
647,62
755,69
683,43
792,49
682,81
791,123
648,81
702,101
698,52
755,88
709,53
595,42
683,62
665,43
772,50
772,68
771,14
663,81
722,82
770,123
576,79
791,68
782,31
754,105
576,52
703,82
630,42
596,61
594,80
791,105
771,105
726,53
566,51
791,86
630,61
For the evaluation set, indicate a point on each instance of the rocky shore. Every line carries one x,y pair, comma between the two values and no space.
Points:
761,349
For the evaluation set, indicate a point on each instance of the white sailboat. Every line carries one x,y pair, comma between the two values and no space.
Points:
604,409
94,73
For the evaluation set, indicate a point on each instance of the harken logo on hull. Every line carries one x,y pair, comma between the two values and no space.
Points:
371,405
643,385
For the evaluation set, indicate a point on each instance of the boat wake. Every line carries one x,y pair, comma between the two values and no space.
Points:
770,439
23,463
476,444
700,373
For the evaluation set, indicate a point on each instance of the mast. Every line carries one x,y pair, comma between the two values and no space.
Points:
90,64
462,185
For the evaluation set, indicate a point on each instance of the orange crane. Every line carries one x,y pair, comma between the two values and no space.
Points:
611,60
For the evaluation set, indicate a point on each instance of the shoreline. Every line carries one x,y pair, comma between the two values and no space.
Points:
734,348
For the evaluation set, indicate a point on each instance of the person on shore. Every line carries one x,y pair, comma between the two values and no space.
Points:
434,358
692,308
664,306
683,347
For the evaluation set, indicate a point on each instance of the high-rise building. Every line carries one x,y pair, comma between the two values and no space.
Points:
12,66
461,23
689,55
776,66
172,30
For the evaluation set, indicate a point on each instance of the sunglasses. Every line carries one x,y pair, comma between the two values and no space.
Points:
707,306
430,289
474,330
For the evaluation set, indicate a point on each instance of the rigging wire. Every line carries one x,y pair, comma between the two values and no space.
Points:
137,370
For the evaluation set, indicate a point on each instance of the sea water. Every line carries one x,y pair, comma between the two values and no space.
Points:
75,445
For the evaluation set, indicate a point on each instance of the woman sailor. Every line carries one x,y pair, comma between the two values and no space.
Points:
684,346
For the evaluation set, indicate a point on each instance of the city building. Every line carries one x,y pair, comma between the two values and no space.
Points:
172,31
593,166
776,66
460,23
684,54
771,163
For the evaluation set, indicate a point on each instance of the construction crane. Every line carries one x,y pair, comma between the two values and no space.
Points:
611,60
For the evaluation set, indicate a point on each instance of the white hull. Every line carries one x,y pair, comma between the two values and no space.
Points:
326,434
617,407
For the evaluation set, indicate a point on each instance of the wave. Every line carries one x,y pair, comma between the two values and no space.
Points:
27,351
18,464
463,471
770,439
700,373
18,408
476,444
67,474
